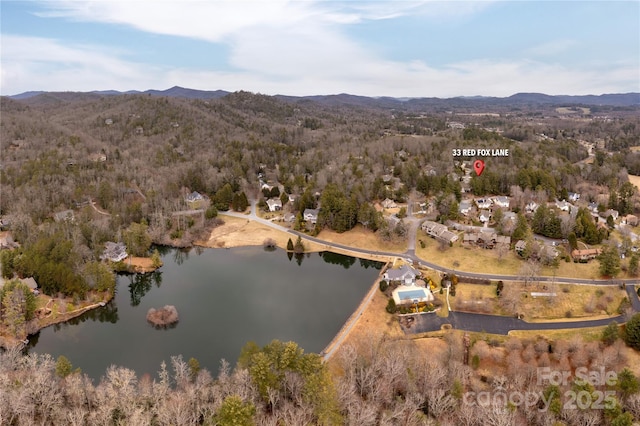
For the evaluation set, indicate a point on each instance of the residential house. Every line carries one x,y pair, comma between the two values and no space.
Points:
585,255
310,215
64,216
439,231
194,197
502,202
487,240
547,251
611,212
484,216
405,275
114,252
531,207
429,170
483,203
593,207
574,196
31,283
98,157
563,206
630,220
194,200
464,207
274,204
520,246
509,216
6,240
389,204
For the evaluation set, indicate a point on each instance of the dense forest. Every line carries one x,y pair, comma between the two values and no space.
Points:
121,167
383,382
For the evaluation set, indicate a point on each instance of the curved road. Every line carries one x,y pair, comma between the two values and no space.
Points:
411,255
464,320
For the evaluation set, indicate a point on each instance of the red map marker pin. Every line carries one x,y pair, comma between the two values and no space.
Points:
478,166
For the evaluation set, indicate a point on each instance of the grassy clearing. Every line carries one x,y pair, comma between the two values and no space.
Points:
361,237
474,259
236,232
588,334
467,259
579,300
635,179
572,302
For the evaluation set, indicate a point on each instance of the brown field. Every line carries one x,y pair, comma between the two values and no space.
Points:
236,232
474,259
362,238
574,299
467,259
582,301
635,179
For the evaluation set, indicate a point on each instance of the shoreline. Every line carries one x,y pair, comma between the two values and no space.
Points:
11,342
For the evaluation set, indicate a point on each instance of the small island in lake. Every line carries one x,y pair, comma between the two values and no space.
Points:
163,317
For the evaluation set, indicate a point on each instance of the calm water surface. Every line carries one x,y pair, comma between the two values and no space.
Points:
224,299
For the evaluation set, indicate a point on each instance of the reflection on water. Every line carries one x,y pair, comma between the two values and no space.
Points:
225,297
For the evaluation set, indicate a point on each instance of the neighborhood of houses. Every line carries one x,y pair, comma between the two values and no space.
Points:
480,210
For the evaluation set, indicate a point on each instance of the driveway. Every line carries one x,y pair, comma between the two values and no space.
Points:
495,324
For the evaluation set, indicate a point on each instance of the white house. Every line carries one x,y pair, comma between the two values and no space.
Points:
483,203
310,215
484,216
274,204
574,196
502,201
531,207
389,204
563,205
464,207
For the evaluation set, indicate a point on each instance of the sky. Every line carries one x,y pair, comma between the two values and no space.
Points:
399,48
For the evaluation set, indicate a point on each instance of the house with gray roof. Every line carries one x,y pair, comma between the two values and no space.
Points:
405,275
114,252
64,216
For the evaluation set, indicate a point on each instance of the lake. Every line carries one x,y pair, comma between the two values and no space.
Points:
224,298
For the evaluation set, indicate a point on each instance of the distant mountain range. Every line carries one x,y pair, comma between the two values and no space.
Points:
615,99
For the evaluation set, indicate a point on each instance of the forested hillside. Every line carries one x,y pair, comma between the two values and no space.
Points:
383,382
121,166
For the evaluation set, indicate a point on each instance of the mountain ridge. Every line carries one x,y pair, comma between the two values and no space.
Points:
523,98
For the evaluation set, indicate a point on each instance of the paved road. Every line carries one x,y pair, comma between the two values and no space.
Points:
495,324
411,255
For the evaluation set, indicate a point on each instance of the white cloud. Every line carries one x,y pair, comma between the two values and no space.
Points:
551,48
31,63
286,47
